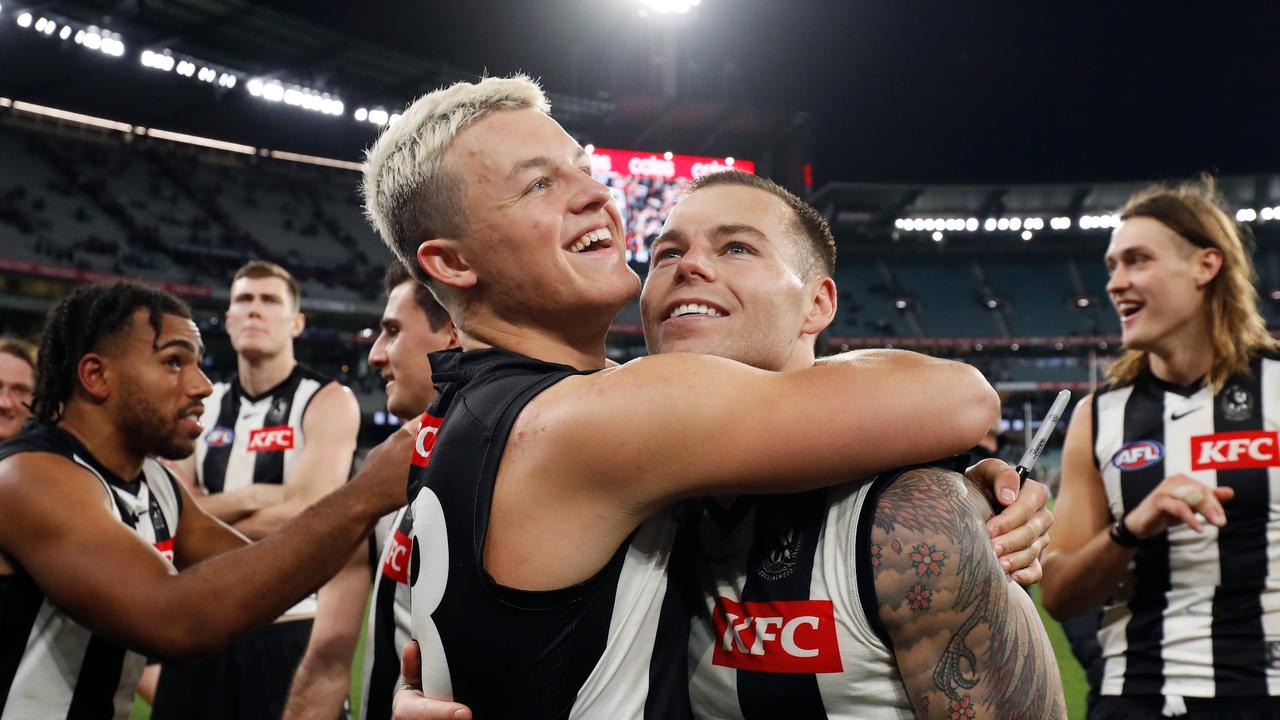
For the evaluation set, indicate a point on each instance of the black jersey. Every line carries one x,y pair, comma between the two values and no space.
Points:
50,665
614,646
1199,614
388,628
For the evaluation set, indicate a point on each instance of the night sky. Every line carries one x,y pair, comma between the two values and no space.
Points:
905,91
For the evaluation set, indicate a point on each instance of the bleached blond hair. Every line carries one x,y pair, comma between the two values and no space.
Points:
408,195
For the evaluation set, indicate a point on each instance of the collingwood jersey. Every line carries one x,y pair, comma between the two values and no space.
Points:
253,439
256,440
50,665
388,628
613,646
1199,614
788,623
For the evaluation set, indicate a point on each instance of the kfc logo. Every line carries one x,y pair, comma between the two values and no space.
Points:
397,565
426,440
784,636
165,548
1138,455
1235,450
279,437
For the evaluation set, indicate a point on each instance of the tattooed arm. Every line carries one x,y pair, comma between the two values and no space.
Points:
968,642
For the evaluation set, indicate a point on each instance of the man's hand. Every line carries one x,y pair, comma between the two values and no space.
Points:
384,476
1020,532
410,703
1175,501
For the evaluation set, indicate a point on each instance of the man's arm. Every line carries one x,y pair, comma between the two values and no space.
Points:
330,427
968,643
697,424
1082,564
234,506
79,565
324,675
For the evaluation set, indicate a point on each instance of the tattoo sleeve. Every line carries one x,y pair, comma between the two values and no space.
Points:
967,641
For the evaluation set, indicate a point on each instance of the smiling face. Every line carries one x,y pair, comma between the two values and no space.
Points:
724,280
544,241
1157,283
17,381
400,352
156,385
262,320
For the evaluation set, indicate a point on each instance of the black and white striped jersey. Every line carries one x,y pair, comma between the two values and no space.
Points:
50,665
388,627
1199,614
788,624
614,646
256,439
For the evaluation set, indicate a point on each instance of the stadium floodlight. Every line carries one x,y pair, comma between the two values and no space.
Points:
378,116
273,92
1246,215
1267,214
362,114
1060,223
989,224
65,32
665,7
227,80
50,27
395,117
1275,294
1026,235
1083,302
24,20
729,161
1015,224
937,237
186,68
255,87
1002,224
668,155
971,224
589,148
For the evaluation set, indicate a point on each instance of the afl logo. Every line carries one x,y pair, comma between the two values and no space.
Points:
1138,455
220,437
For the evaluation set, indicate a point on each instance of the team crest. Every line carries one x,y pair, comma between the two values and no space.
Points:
1237,403
220,436
279,409
782,558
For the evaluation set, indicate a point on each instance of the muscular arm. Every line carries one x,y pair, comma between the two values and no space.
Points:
234,506
330,427
967,642
324,675
79,565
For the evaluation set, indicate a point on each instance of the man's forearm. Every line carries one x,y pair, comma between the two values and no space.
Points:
262,523
319,688
1082,578
230,507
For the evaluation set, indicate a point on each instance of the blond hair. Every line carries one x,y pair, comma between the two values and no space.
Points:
408,196
257,269
1195,212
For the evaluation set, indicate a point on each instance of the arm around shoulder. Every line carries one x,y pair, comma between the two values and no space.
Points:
966,640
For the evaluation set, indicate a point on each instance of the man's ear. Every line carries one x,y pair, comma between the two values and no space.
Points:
822,307
92,371
442,260
299,324
454,339
1209,264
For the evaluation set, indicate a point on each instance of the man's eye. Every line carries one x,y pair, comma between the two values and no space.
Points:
173,361
738,248
540,184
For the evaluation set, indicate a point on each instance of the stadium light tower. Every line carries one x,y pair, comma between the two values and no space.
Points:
664,7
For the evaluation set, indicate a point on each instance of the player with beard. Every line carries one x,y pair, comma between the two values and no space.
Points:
412,325
279,436
537,466
878,600
103,555
17,379
1191,609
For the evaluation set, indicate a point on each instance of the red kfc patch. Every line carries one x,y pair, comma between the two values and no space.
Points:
165,548
397,565
426,440
279,437
795,636
1236,450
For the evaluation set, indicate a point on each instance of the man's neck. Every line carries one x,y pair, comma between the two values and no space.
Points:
581,348
101,436
1186,356
259,374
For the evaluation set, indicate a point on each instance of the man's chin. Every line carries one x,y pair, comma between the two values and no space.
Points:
176,449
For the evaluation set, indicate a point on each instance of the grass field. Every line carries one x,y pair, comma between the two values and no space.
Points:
1073,681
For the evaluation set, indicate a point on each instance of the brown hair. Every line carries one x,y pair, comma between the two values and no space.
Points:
1195,212
20,349
263,269
396,274
819,256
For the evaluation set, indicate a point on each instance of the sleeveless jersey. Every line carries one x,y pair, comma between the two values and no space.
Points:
50,665
613,646
1199,614
388,628
788,623
251,439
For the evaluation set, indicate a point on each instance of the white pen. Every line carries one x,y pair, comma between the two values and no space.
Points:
1041,438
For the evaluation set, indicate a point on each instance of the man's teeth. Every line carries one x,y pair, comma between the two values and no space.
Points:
590,238
1128,308
695,309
